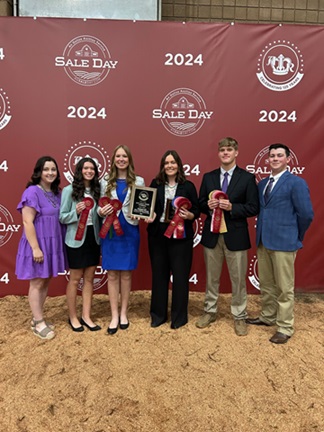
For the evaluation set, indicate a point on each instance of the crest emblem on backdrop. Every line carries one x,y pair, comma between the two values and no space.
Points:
5,114
280,66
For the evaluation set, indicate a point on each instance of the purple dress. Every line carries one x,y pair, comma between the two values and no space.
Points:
49,234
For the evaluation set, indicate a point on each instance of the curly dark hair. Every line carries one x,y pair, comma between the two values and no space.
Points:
78,186
37,174
162,178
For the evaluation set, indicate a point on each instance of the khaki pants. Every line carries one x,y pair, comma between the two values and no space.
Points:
237,267
277,280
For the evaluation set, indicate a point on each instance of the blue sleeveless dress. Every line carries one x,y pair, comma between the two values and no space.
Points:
121,252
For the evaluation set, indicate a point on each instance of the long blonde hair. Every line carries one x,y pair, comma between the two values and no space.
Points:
113,175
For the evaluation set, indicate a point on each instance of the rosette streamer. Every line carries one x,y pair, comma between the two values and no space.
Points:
112,219
176,226
218,224
83,218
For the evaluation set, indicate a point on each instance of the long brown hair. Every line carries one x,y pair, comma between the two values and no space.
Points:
162,178
78,186
113,175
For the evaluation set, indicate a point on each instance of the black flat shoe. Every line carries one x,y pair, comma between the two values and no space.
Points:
95,328
124,326
112,331
76,329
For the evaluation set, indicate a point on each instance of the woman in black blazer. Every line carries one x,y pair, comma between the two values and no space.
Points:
171,254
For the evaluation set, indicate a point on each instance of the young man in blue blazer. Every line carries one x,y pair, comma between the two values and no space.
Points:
285,214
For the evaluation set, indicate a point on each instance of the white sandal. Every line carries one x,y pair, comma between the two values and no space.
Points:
47,333
49,324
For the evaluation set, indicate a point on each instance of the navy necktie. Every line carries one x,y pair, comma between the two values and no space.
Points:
268,190
225,182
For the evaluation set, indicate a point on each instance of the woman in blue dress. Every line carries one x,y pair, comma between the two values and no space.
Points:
120,253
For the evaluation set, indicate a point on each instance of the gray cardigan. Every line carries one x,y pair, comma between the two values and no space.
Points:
70,218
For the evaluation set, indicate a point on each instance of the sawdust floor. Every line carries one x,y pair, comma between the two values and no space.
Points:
147,380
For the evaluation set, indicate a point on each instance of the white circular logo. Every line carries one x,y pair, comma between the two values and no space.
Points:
253,274
5,116
198,228
86,149
182,112
86,60
7,226
280,66
261,166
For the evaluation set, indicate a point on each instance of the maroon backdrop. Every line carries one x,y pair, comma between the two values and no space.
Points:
72,87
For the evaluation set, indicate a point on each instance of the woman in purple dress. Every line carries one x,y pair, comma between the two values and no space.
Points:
41,248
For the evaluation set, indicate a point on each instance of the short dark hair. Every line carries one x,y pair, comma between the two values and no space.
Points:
279,145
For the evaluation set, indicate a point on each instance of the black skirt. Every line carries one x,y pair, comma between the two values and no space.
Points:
87,255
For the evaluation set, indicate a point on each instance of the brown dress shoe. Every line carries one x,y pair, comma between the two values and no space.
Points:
205,320
279,338
256,321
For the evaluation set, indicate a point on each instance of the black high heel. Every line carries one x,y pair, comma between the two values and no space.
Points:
76,329
95,328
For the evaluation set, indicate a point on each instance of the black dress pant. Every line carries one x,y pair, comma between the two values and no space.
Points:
170,256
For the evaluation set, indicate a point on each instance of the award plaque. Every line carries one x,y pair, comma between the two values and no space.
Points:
142,202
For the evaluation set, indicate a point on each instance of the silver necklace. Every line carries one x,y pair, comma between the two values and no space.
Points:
171,186
51,198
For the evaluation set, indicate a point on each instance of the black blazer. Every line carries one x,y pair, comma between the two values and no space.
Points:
243,194
187,190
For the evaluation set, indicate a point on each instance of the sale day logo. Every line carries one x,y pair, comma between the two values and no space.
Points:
261,166
5,114
7,225
86,60
99,281
280,66
182,112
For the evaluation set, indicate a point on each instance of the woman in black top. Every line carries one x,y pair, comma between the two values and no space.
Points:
170,245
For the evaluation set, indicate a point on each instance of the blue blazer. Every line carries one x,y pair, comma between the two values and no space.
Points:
283,221
70,218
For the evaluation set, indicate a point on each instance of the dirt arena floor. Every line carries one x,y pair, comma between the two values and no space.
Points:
163,380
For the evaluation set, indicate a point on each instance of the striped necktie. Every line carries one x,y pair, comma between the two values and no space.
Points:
268,190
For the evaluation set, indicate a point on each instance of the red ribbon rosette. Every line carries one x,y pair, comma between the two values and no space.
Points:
83,218
218,224
176,226
111,219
